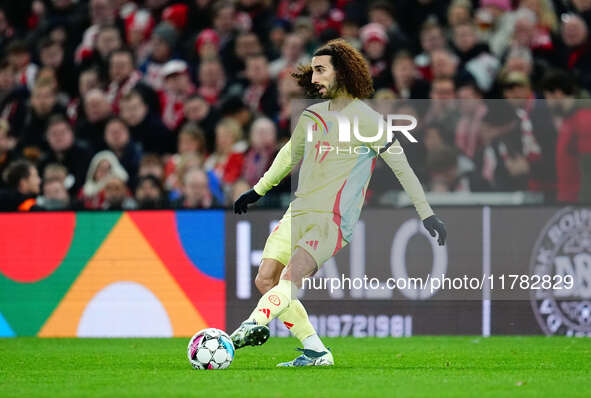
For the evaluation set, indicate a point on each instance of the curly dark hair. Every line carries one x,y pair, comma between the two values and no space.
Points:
351,69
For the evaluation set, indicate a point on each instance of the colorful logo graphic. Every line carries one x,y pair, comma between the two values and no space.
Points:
111,274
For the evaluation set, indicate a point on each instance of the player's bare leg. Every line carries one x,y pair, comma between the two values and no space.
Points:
268,274
254,330
300,266
249,332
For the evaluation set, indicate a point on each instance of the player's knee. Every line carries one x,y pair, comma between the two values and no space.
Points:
264,284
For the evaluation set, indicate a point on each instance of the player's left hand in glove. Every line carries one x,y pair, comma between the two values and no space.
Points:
434,224
248,197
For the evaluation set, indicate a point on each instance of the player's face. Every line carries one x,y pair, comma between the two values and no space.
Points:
324,76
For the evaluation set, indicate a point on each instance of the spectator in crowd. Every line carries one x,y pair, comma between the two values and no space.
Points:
459,12
436,136
263,147
108,39
103,165
139,25
89,79
55,195
211,80
7,83
196,192
260,93
64,149
151,164
97,111
527,32
51,54
227,160
289,90
406,82
374,42
7,148
500,164
164,40
146,127
223,13
382,12
23,184
442,109
443,89
236,109
191,140
350,32
544,12
246,44
116,195
304,28
519,59
255,15
466,43
123,78
49,74
448,170
292,55
31,122
472,111
573,147
60,172
496,22
444,64
200,112
174,184
576,55
102,13
207,45
177,88
581,8
19,58
432,39
538,136
280,29
150,194
118,141
144,62
417,13
324,16
6,31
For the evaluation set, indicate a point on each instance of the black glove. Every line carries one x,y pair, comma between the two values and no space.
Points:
244,200
432,224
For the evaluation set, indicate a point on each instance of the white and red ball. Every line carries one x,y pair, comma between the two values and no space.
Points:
210,349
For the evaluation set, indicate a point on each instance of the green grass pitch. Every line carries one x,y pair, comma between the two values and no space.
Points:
405,367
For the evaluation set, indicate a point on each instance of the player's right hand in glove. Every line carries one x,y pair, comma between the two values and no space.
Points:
434,224
248,197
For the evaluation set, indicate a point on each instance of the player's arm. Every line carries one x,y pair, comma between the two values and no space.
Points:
287,157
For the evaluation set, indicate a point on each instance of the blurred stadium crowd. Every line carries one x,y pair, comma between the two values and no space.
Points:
118,104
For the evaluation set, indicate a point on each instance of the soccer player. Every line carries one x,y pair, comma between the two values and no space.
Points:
330,194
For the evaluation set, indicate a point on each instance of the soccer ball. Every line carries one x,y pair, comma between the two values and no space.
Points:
210,349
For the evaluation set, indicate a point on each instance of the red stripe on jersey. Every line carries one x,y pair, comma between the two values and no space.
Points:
336,210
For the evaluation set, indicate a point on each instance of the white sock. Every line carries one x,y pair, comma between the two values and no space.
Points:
314,343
